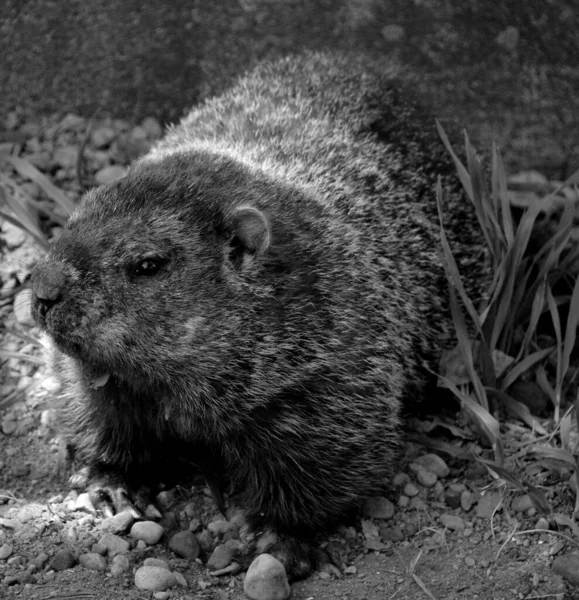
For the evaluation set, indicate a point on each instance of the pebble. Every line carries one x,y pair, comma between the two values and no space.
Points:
378,507
102,137
185,545
567,566
466,500
9,426
93,561
487,504
522,503
452,522
180,580
542,523
453,493
469,561
40,560
220,527
400,479
426,478
120,564
13,238
154,579
434,464
220,558
351,570
84,503
161,595
156,562
148,531
66,157
393,33
109,174
410,490
152,128
120,523
63,559
205,540
266,579
114,544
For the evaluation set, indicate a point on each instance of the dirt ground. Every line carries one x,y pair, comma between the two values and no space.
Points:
504,73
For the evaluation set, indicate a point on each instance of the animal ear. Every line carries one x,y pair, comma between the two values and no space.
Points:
250,235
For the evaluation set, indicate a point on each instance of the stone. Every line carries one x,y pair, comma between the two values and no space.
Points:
152,128
378,507
452,522
93,561
487,505
66,157
155,562
220,527
185,545
109,174
161,595
220,558
205,540
567,566
154,579
148,531
266,579
466,500
13,236
98,549
63,559
434,464
119,523
410,490
114,544
522,503
508,38
180,579
120,564
453,493
5,551
393,33
102,136
22,307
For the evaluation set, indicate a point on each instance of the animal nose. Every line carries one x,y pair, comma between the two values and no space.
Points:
48,282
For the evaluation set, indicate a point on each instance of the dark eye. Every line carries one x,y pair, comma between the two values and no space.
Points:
148,266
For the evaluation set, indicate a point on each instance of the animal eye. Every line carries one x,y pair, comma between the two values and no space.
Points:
148,266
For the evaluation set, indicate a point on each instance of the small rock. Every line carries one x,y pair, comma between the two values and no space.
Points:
417,503
41,160
180,580
469,561
119,523
13,238
84,503
393,33
453,493
466,500
148,531
71,122
66,157
98,549
9,426
93,561
567,566
114,544
5,551
487,505
266,579
220,527
434,464
452,522
542,523
103,136
22,307
394,534
40,560
522,503
154,579
205,540
109,174
155,562
220,558
403,501
161,595
400,479
508,38
152,128
351,570
120,564
378,507
63,559
185,545
410,490
426,478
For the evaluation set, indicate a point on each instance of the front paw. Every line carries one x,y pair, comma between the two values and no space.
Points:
110,493
298,557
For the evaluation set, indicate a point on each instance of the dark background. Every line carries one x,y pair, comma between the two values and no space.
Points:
503,70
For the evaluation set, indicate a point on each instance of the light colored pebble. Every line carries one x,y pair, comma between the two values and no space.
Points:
378,507
155,562
487,505
109,174
220,558
542,523
120,564
410,490
351,570
400,479
185,545
469,561
466,500
452,522
148,531
114,544
434,464
5,551
266,579
522,503
93,561
180,579
119,523
154,579
161,595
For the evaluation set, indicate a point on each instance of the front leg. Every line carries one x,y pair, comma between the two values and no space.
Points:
112,492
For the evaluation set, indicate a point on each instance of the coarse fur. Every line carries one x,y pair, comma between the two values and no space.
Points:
264,288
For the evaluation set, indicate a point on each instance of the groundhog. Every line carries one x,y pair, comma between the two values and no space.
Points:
262,291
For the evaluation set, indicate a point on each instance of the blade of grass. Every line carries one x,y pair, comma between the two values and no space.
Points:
499,187
524,365
38,237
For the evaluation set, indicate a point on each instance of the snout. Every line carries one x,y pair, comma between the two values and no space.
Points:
48,281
